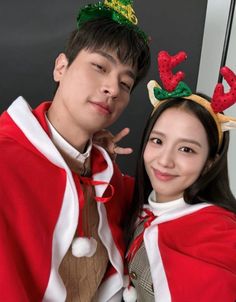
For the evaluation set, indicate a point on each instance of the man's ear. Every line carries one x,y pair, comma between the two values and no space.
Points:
60,67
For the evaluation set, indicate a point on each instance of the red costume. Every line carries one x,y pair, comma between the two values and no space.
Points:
40,210
191,251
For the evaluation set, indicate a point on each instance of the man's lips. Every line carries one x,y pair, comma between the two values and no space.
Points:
102,107
163,175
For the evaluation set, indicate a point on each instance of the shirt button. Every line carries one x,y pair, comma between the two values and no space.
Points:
133,275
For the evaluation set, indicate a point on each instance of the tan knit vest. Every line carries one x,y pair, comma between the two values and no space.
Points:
82,276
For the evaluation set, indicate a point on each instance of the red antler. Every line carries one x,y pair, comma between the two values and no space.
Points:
220,100
165,64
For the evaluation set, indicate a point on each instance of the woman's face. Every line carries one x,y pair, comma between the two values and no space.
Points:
176,153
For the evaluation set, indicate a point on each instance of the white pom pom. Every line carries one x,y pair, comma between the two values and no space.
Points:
130,294
84,247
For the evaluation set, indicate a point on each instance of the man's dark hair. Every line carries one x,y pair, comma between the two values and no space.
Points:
106,34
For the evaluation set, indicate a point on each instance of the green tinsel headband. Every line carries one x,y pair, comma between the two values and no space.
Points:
120,11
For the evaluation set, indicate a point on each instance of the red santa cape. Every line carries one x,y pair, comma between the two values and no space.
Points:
40,210
192,254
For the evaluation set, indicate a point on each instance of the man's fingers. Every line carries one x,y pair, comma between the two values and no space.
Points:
122,151
121,135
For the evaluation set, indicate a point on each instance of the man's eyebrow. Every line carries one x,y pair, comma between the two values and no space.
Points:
110,58
106,55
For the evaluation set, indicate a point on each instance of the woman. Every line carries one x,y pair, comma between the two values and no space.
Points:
183,246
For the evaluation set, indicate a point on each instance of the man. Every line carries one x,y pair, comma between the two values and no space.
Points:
62,198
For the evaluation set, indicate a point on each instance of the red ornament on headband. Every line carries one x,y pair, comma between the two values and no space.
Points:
175,88
166,63
221,100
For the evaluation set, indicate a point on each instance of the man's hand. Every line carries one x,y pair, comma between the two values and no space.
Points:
108,141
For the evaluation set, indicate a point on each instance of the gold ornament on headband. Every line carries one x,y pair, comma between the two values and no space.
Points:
124,8
175,88
120,11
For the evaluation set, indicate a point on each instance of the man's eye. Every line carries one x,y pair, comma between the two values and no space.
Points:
99,67
126,86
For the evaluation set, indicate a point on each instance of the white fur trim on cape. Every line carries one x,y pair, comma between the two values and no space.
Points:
130,294
84,247
162,293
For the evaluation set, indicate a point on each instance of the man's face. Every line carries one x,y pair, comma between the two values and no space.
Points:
93,91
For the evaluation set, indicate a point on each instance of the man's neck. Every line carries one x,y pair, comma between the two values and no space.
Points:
76,137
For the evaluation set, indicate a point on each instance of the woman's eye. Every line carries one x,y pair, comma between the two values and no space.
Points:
156,140
187,149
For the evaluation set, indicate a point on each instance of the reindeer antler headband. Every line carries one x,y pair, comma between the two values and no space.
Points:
174,87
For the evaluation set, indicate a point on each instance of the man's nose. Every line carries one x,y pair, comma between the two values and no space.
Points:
111,87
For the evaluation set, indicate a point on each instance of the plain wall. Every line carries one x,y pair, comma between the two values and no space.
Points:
211,57
33,33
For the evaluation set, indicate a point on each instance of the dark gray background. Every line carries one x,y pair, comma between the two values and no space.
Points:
33,33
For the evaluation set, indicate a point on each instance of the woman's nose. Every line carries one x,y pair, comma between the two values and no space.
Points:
166,158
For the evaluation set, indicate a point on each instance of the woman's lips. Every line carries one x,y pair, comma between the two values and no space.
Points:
163,176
